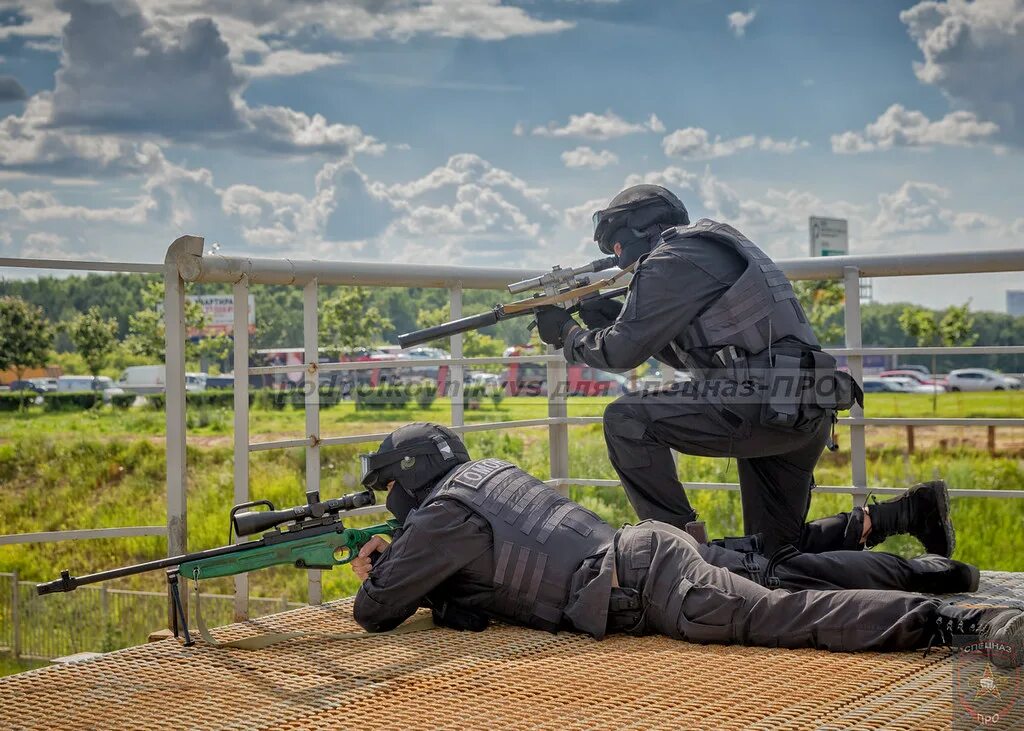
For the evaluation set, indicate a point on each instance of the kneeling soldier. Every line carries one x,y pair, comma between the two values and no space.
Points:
483,539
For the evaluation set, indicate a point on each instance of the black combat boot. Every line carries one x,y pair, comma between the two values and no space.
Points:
995,632
941,575
922,511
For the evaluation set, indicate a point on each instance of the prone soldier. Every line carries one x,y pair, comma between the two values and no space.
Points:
482,539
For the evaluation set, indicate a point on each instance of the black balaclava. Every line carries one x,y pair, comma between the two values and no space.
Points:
635,218
415,457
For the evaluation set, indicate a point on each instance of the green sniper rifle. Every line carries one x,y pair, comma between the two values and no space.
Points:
311,536
561,287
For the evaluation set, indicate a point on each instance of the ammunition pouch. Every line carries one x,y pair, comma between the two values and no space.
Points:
800,386
625,611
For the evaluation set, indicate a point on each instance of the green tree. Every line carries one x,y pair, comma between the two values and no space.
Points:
146,329
349,320
823,302
25,335
957,326
919,324
94,337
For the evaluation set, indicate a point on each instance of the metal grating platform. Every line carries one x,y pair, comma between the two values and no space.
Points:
504,678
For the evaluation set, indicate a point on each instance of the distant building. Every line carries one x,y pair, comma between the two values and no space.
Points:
1015,301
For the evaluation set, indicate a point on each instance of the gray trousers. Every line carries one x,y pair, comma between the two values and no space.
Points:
685,597
775,465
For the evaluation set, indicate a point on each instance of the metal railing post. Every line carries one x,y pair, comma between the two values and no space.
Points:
456,390
311,386
15,615
181,254
240,332
854,339
558,433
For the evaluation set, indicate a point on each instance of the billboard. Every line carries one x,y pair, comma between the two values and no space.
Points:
220,313
829,236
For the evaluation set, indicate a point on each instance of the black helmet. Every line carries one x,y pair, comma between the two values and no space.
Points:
634,218
414,456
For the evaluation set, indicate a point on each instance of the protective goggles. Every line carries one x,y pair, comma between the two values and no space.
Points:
373,463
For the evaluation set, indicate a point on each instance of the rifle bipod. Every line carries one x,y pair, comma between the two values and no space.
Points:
179,610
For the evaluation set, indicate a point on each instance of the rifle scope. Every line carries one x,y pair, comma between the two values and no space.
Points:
256,521
558,276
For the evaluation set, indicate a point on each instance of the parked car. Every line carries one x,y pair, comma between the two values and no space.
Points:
905,384
80,384
916,375
26,385
221,381
923,370
874,384
48,385
980,379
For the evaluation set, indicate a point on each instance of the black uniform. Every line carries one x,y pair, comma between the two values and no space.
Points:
708,300
493,538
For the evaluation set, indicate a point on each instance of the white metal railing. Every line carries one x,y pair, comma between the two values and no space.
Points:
186,263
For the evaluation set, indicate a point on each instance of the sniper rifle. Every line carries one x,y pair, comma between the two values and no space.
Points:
560,287
310,536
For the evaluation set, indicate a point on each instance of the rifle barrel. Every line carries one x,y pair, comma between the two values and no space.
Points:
66,582
465,324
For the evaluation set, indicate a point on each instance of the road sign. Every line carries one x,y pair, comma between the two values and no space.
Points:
829,236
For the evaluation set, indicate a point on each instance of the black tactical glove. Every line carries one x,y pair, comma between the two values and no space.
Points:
553,324
598,313
451,615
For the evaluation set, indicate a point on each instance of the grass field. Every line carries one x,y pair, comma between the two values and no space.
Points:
106,468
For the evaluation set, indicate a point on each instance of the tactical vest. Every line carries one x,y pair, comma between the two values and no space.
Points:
540,538
759,309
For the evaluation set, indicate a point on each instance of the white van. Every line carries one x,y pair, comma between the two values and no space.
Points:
143,379
153,379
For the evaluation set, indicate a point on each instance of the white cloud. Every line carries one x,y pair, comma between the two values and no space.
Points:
35,206
247,25
738,21
593,126
293,62
901,127
177,82
671,177
467,205
694,143
585,157
973,52
581,216
920,208
29,143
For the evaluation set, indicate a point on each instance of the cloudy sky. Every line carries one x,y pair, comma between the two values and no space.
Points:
487,131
